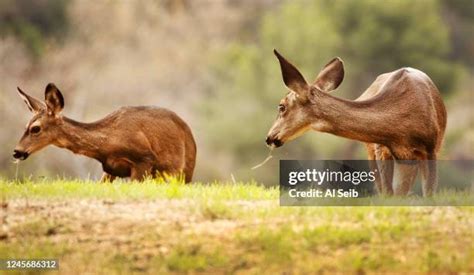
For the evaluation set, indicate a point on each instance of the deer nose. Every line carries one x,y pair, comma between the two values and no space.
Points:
20,154
268,141
275,142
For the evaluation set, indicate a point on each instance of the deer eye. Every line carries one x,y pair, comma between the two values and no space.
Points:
281,108
35,129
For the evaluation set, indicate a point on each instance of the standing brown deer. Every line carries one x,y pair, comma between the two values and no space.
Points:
130,142
401,118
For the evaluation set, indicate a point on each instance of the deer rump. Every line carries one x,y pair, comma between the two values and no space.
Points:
146,141
411,105
411,110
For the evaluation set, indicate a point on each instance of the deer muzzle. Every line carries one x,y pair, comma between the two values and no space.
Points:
21,155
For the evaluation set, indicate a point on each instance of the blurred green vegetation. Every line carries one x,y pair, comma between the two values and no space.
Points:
372,37
33,21
459,16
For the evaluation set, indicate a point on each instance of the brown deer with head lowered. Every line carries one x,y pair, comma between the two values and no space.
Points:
401,118
133,142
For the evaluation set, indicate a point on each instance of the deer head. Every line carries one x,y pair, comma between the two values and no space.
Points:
299,110
44,128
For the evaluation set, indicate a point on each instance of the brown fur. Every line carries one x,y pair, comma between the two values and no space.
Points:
131,142
401,116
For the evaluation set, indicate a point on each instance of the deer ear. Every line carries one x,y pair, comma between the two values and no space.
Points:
330,76
293,79
54,99
34,105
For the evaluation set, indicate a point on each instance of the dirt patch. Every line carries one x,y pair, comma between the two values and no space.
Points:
106,220
180,235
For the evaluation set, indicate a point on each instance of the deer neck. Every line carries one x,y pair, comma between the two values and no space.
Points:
359,120
82,138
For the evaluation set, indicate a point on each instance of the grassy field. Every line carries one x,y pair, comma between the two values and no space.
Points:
222,228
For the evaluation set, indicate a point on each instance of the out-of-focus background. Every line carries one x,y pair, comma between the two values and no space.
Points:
212,63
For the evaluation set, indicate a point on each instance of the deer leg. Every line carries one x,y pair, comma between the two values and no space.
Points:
164,173
140,172
404,176
385,168
429,180
106,177
173,167
373,165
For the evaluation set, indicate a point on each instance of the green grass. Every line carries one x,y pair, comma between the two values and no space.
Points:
158,227
151,189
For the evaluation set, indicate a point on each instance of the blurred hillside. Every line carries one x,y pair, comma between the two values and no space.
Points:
212,63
